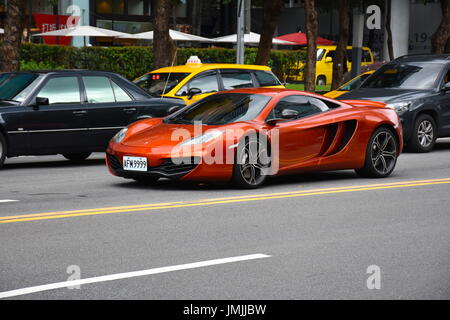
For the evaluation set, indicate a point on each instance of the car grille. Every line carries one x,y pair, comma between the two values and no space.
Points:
167,168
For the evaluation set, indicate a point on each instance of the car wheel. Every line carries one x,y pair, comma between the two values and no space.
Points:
381,154
2,149
321,81
76,157
424,134
252,162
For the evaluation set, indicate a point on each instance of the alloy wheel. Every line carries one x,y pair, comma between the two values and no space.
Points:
425,133
251,162
384,152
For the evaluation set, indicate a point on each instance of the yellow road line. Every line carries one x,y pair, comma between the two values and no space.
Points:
204,202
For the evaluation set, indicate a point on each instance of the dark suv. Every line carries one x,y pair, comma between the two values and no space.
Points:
417,87
71,112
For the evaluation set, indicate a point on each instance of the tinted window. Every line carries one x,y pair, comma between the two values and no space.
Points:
305,106
206,83
119,93
236,79
61,90
411,75
98,90
355,83
366,56
160,83
266,78
223,108
12,84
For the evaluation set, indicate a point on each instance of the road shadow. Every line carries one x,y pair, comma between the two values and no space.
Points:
63,163
171,185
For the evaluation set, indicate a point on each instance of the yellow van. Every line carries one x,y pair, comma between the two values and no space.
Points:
195,80
324,64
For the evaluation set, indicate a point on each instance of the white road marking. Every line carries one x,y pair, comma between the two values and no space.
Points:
133,274
8,200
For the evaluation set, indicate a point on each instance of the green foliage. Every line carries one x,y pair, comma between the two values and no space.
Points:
132,62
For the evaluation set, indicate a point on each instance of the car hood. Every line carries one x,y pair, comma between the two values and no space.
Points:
384,95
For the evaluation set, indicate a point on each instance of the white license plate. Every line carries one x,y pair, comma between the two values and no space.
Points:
135,163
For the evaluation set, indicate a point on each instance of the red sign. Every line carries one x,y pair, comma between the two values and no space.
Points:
47,22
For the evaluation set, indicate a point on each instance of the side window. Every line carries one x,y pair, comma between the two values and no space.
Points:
98,89
366,56
330,54
119,93
447,77
305,106
61,90
236,79
206,82
266,78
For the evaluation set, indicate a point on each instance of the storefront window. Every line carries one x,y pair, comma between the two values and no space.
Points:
110,6
2,6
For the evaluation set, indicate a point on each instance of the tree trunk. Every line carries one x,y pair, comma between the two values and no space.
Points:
163,47
272,12
340,55
388,22
10,48
442,33
309,74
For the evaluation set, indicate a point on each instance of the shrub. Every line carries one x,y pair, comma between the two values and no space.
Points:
132,62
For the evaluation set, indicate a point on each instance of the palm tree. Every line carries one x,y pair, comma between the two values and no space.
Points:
309,74
163,47
10,48
272,12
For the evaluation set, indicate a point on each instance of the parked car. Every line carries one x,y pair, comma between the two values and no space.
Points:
353,84
417,87
248,134
194,80
324,64
71,112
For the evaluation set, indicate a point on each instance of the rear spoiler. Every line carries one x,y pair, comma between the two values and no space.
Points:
364,103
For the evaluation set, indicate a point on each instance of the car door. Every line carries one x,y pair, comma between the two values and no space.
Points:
61,125
299,139
110,108
206,81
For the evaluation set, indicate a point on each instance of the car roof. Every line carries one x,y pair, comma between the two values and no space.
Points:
333,47
81,71
444,58
198,67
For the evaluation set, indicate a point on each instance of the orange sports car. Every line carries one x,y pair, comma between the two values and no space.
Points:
246,135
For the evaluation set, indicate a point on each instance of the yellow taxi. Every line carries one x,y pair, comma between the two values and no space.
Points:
324,64
353,84
196,80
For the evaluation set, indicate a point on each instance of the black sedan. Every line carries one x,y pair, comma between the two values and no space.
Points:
70,112
417,87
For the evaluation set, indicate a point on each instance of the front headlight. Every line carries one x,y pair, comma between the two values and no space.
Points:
208,136
120,135
399,107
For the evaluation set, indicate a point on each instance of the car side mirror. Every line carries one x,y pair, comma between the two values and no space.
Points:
328,59
447,87
40,101
286,114
192,92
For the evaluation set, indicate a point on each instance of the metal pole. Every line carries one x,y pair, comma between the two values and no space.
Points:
240,33
358,32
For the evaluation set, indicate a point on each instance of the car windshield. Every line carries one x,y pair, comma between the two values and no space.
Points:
160,83
319,54
411,75
355,83
220,109
13,84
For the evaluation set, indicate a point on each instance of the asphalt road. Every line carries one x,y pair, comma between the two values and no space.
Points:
304,237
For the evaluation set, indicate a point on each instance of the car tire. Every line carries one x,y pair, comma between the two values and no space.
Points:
381,154
424,134
3,149
251,162
321,81
76,157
